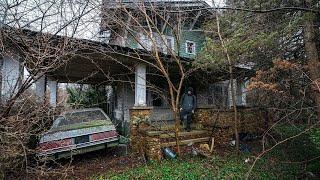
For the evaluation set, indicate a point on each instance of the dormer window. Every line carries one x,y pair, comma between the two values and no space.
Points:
190,47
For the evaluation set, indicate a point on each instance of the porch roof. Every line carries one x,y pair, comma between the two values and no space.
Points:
94,62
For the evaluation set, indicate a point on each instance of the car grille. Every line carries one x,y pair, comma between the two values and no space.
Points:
81,139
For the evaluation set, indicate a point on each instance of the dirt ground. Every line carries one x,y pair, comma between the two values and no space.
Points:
85,165
82,166
99,162
93,164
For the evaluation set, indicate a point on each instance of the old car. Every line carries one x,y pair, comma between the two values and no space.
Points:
78,131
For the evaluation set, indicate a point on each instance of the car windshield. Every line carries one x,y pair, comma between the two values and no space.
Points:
79,117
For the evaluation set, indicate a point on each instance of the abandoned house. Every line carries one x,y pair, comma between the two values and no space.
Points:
126,34
138,34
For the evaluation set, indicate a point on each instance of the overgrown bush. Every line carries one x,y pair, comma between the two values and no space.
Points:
283,89
315,137
19,133
87,97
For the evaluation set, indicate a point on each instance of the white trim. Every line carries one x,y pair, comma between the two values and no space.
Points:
193,49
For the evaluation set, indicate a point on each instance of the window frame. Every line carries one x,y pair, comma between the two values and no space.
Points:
194,47
166,45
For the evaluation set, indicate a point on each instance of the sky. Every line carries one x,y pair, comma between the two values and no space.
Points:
56,17
217,2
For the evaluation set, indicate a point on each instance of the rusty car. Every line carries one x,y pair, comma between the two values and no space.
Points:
78,131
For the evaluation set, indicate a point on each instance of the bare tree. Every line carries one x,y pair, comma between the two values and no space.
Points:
36,38
146,23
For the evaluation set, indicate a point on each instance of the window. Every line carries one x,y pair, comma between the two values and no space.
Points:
217,95
168,45
190,47
104,36
145,42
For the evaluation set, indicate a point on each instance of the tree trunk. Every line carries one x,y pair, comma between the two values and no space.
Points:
235,110
233,93
177,130
312,55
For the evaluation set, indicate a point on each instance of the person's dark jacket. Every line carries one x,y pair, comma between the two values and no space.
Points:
188,102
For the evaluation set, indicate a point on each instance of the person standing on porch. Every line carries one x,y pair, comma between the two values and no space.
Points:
187,107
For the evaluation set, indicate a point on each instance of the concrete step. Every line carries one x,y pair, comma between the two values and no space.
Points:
172,127
170,134
187,141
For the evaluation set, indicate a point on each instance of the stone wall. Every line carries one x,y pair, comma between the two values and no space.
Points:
139,118
222,126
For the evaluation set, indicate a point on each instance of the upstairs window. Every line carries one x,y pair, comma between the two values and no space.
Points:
190,47
170,43
168,46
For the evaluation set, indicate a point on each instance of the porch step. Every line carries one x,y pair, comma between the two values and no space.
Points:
172,127
165,134
185,142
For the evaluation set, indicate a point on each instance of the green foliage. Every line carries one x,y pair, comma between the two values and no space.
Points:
195,168
315,137
253,37
286,161
231,167
89,97
297,150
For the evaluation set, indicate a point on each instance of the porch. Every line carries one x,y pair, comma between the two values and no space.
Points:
209,127
129,74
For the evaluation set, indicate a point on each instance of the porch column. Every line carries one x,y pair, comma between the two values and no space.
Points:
140,86
53,86
230,98
41,89
140,113
11,76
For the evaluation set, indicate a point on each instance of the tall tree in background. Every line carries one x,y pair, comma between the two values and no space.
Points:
312,52
257,33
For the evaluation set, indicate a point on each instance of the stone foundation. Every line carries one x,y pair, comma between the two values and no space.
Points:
139,118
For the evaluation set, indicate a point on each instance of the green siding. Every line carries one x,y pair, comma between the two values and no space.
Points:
196,36
131,42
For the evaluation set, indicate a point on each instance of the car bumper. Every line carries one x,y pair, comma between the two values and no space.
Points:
81,148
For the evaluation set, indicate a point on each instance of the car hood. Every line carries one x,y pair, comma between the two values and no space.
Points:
75,130
80,126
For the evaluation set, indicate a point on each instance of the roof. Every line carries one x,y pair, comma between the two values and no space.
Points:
162,3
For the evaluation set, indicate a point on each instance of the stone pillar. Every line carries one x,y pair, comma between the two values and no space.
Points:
140,86
140,113
11,76
139,120
53,86
41,89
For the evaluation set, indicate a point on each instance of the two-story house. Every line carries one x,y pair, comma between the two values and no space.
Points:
171,27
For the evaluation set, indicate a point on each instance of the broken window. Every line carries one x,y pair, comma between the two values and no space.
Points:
190,47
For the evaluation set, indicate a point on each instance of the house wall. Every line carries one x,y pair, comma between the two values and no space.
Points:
125,101
11,75
195,36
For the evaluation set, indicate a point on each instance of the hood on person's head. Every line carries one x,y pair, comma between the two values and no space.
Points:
190,90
